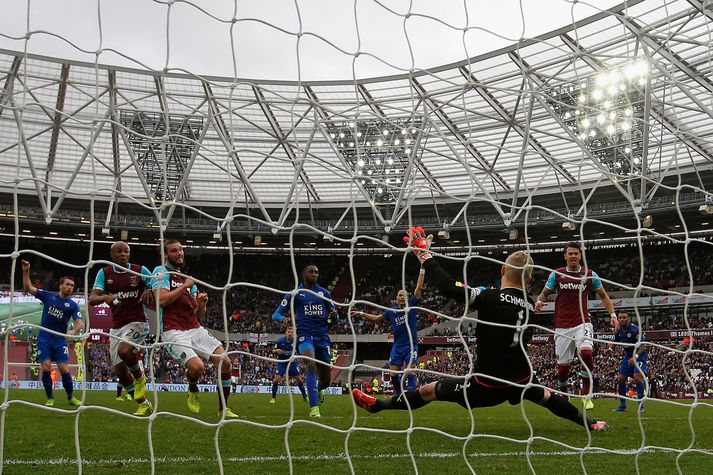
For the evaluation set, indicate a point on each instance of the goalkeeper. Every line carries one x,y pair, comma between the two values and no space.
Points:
502,371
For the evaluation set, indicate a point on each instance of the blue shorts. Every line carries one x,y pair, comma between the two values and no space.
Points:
630,371
52,350
292,369
320,345
400,355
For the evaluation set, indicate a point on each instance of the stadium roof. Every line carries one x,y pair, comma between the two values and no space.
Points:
488,130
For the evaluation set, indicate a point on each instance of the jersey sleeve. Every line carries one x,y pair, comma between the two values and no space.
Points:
161,278
596,282
99,281
42,295
413,301
551,283
330,305
279,313
147,277
76,313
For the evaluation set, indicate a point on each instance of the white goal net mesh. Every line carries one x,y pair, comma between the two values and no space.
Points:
596,131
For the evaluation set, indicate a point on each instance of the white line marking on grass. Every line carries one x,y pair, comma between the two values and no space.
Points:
341,456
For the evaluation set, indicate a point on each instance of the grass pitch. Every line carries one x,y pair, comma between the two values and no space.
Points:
37,440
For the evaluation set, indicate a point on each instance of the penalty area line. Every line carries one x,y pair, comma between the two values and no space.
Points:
341,456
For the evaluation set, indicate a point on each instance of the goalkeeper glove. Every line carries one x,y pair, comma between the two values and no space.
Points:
416,238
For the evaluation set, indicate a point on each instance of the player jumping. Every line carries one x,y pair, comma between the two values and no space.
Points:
573,327
635,362
501,365
126,293
57,310
187,341
313,307
404,352
283,350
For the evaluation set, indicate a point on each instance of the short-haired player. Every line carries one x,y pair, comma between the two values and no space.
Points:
286,368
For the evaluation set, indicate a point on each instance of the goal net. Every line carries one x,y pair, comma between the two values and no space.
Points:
265,139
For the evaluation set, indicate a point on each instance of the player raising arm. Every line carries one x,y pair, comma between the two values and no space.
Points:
57,310
283,350
182,306
404,352
126,293
501,365
573,327
634,362
313,307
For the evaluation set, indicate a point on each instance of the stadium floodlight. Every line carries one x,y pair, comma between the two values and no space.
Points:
124,235
512,234
258,240
569,226
217,235
648,221
377,148
106,231
606,113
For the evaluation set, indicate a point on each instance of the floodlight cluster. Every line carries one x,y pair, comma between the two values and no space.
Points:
378,152
606,112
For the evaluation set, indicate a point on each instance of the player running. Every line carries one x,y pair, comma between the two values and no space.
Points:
635,362
404,352
502,367
57,310
187,341
126,288
283,350
313,307
573,327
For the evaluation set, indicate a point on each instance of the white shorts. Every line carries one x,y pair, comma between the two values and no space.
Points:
235,379
134,332
570,340
186,344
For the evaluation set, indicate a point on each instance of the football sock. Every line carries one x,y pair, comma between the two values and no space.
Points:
47,384
588,361
311,380
622,392
136,371
640,390
411,382
396,382
404,401
193,386
562,372
274,389
119,389
68,384
225,387
301,387
560,407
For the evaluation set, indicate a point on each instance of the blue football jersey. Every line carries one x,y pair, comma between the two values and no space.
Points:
56,313
311,311
399,321
629,335
286,346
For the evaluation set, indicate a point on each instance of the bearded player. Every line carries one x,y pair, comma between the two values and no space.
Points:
312,309
57,310
126,288
404,352
574,332
503,372
634,362
182,306
284,349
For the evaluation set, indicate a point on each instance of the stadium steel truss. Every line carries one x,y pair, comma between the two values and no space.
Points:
547,117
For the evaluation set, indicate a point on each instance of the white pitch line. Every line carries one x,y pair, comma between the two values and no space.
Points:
300,458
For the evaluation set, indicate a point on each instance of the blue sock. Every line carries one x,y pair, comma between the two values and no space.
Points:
274,389
311,380
622,392
640,390
301,386
68,384
396,383
47,383
411,381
